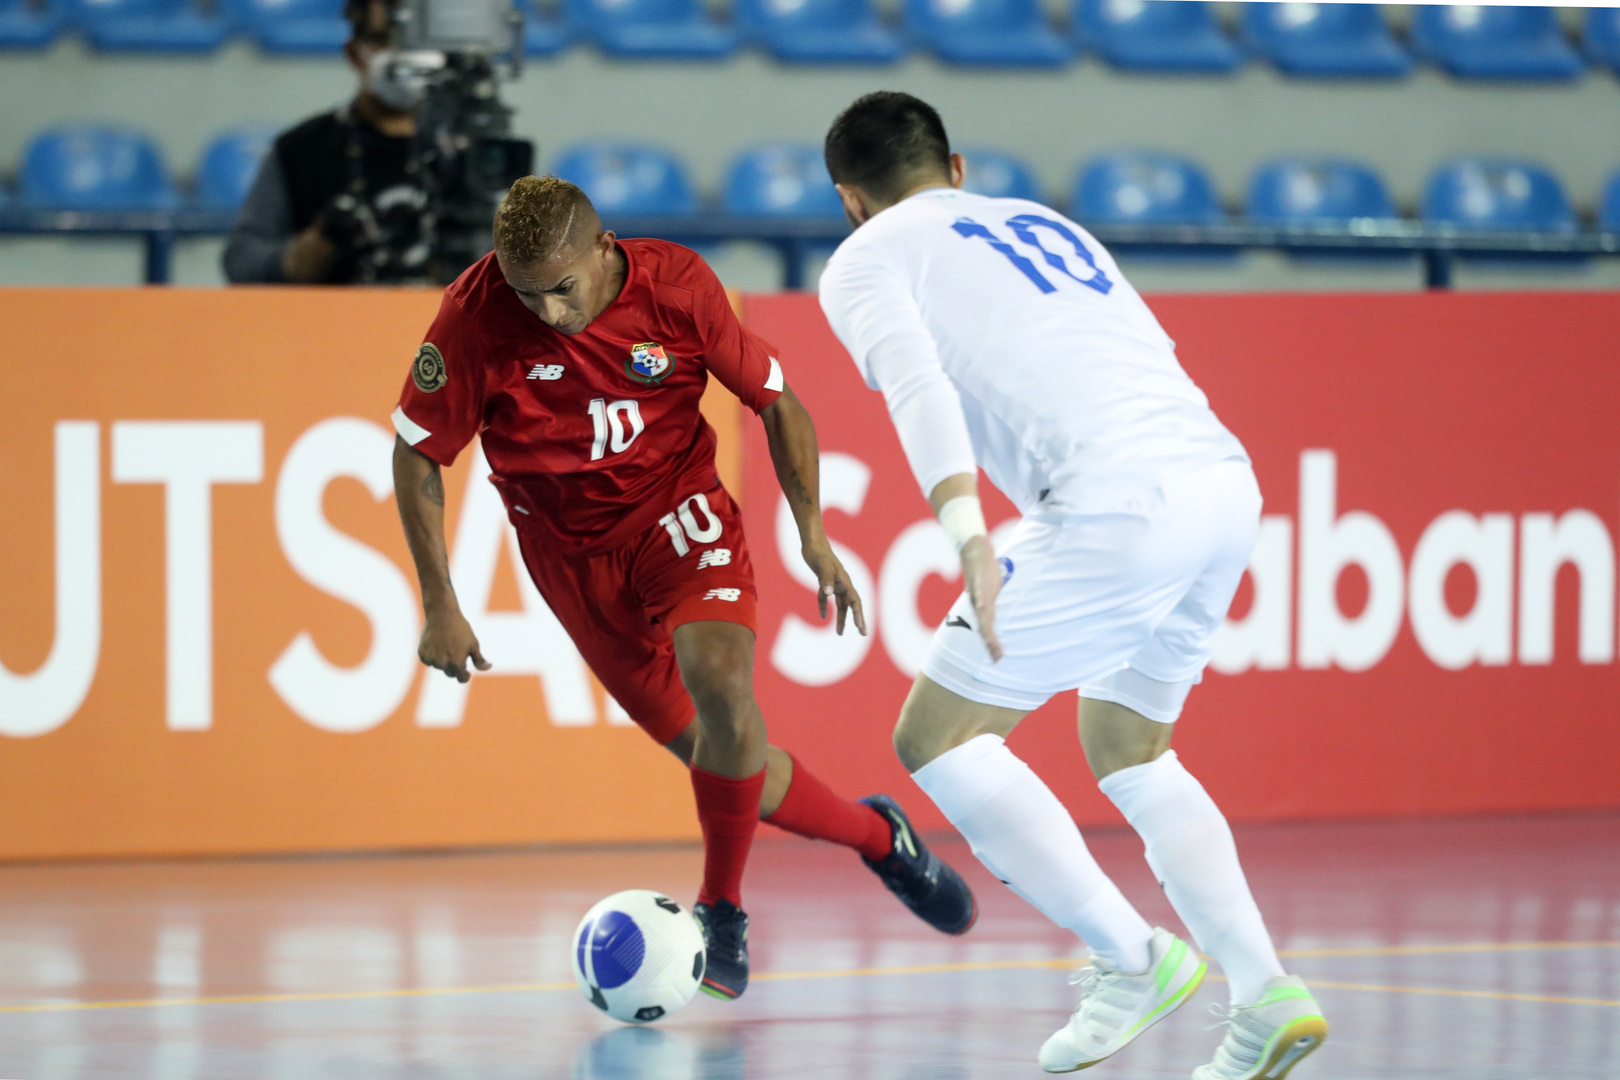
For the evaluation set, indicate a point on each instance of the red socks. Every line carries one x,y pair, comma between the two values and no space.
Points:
728,811
811,809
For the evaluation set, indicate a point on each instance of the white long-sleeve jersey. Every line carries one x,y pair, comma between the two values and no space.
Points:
1003,335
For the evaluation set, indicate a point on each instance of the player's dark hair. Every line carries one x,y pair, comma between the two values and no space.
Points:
358,12
886,143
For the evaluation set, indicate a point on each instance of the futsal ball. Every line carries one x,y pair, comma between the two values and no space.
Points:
638,956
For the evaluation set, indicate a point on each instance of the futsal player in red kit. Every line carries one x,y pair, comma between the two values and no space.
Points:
579,360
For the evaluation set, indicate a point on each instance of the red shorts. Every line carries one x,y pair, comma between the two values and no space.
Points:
621,606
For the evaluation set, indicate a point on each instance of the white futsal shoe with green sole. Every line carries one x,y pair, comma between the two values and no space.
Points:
1266,1039
1116,1006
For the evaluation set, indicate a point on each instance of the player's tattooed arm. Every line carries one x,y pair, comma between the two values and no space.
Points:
447,639
801,494
792,437
433,487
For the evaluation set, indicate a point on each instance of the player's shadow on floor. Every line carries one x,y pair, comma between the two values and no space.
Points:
646,1053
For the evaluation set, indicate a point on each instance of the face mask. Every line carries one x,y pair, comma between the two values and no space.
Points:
399,79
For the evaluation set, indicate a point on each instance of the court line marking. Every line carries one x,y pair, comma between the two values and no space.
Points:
271,999
1498,995
917,969
1494,995
1431,950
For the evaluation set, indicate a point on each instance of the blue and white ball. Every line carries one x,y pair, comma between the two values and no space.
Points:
638,956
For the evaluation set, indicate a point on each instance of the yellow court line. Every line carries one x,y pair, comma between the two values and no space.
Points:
1431,950
511,988
1495,995
1499,995
271,999
919,969
868,972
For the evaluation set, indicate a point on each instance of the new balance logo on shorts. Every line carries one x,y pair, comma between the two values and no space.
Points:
546,372
732,595
715,557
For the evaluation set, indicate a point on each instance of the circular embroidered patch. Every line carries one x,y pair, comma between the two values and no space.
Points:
428,370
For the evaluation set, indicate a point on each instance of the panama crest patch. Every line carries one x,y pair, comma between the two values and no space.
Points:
427,371
649,363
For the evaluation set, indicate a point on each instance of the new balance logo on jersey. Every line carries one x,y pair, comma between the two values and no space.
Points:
546,372
715,557
733,595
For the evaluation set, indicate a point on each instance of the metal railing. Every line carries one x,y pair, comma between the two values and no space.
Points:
797,240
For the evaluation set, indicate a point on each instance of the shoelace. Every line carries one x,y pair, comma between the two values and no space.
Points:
1089,979
1098,1012
728,938
1240,1051
1086,978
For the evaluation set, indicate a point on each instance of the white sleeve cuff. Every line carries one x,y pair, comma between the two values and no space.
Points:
962,519
409,429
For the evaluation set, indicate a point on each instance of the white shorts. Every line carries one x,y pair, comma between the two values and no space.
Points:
1114,603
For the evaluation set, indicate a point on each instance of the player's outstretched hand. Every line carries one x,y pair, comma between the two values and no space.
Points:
835,586
981,572
447,642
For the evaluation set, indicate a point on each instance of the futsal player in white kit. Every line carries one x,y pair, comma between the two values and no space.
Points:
1004,337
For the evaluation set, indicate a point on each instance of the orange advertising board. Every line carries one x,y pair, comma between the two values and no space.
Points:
208,619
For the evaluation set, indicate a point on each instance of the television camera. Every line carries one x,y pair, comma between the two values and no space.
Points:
450,55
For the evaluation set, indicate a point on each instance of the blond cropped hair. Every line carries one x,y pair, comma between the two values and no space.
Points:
541,216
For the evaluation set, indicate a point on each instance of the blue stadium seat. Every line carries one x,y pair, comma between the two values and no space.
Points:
544,34
229,165
1497,193
1609,212
1474,42
1602,37
90,167
1327,40
820,31
781,180
1145,187
151,25
991,172
627,179
1310,191
987,33
27,25
671,29
1155,35
293,26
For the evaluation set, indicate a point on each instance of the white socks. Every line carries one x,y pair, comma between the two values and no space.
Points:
1190,848
1024,836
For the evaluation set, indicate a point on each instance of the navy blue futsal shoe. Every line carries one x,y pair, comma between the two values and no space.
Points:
923,881
725,940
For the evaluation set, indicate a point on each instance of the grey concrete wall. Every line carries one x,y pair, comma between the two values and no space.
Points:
708,112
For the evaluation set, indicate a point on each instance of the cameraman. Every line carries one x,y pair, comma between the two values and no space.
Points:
337,200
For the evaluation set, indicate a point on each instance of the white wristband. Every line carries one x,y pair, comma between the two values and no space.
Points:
963,519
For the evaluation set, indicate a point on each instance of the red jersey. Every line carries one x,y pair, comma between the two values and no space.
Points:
592,437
